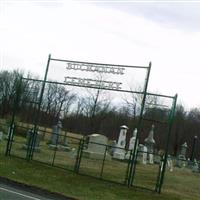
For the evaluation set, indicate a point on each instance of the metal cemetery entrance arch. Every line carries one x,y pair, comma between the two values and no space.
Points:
131,168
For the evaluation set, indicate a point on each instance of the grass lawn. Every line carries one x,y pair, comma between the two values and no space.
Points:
180,184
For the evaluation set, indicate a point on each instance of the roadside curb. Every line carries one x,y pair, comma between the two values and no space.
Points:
35,189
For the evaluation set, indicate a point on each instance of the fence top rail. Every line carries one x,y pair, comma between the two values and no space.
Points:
77,85
100,64
160,95
116,90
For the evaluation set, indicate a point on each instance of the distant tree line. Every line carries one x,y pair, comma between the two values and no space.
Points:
93,113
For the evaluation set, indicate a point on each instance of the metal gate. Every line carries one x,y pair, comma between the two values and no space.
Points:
129,172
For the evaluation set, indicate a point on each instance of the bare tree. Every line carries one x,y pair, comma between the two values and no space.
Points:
8,83
57,99
80,106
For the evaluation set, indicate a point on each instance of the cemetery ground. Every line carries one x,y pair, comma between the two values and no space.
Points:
181,184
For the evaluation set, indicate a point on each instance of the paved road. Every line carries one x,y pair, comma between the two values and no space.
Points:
11,193
14,191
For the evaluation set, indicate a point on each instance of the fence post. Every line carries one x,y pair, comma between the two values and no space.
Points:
133,160
159,173
79,155
171,119
104,158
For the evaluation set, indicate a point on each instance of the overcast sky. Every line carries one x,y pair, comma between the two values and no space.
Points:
167,33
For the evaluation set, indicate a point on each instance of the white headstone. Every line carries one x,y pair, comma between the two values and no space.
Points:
170,163
195,167
112,147
96,146
132,140
149,143
151,158
144,155
119,152
122,136
131,143
181,160
97,143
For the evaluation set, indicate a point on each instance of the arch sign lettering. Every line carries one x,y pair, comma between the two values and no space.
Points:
81,74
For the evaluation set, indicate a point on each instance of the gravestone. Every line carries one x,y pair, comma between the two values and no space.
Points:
195,167
65,139
56,131
149,143
170,163
119,152
96,147
72,153
29,140
181,160
184,149
112,147
131,143
64,144
1,135
156,159
144,155
140,151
